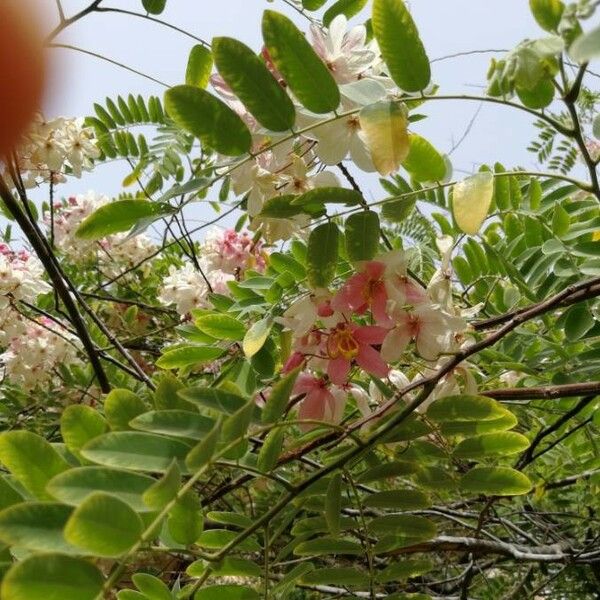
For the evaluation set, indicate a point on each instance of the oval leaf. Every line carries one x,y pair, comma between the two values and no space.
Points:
253,84
304,72
322,254
362,235
495,481
424,162
492,444
400,45
209,119
52,577
104,525
120,215
471,200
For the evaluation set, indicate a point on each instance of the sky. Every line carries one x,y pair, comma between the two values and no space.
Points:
446,27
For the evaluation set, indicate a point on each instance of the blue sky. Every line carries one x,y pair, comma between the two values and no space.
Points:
446,26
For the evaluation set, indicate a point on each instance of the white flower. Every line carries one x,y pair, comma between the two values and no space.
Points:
432,330
346,53
187,289
32,357
20,277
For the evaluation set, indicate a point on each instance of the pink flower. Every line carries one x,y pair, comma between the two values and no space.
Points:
365,290
348,343
319,403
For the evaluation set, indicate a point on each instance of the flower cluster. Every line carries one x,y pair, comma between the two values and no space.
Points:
112,253
33,356
368,324
293,167
51,149
225,256
20,277
33,349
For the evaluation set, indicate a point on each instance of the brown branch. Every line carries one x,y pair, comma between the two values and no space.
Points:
544,392
64,23
518,552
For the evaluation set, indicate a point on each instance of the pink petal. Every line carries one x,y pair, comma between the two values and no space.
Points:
374,269
370,360
370,334
305,384
338,369
313,406
395,343
378,306
295,360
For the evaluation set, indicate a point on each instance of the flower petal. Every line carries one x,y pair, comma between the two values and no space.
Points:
370,360
394,344
338,370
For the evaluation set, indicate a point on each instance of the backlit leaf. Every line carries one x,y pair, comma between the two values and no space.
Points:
471,200
495,481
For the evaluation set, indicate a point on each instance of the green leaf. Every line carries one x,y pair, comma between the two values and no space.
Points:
471,201
596,126
388,470
199,66
578,321
209,119
400,45
230,518
328,195
121,406
166,396
228,567
349,8
52,577
104,525
31,460
185,520
469,428
501,188
152,587
405,569
203,452
236,425
333,504
226,592
8,494
135,450
411,527
279,397
561,221
219,538
344,576
184,356
304,72
539,96
326,545
175,423
322,254
36,526
119,215
496,481
313,4
214,399
79,424
154,7
385,128
256,336
362,235
586,46
161,492
401,499
75,485
424,162
547,13
491,444
253,84
435,478
465,408
271,449
221,327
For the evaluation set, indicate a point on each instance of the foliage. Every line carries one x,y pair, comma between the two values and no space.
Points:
340,396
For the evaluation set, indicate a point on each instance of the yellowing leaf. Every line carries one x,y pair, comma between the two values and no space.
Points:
256,337
385,127
471,201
